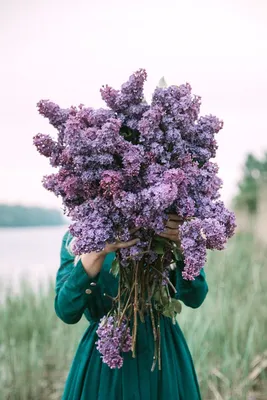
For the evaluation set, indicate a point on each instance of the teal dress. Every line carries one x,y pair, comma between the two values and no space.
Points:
89,378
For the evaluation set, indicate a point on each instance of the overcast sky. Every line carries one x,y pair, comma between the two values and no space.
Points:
65,50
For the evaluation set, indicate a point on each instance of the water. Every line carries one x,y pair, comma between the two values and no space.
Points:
29,253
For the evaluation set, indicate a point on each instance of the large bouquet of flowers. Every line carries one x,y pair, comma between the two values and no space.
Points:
127,166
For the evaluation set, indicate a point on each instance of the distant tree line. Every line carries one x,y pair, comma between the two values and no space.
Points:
18,216
254,176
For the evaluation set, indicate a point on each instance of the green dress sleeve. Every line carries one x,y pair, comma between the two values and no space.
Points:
73,286
191,293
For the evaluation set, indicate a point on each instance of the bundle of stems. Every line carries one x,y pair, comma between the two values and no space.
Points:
144,289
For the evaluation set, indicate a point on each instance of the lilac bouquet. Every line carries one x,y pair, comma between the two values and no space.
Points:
130,165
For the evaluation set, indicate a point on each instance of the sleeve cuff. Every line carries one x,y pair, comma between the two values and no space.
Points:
79,280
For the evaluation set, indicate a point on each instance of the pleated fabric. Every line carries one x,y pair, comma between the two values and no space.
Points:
89,378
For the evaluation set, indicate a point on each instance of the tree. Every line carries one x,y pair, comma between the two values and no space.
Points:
19,216
254,175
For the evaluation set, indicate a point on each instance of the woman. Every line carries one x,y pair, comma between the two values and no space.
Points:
81,288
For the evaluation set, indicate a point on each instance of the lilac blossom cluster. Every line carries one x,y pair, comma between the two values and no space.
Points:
113,340
132,164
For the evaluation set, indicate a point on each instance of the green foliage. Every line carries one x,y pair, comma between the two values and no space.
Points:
159,244
228,331
36,348
158,247
16,216
177,254
254,175
115,267
172,308
162,83
169,306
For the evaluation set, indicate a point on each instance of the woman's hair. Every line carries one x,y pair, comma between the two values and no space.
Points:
69,246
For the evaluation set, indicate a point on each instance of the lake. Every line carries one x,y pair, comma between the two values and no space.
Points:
29,253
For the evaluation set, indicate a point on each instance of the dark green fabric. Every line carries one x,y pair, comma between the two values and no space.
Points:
89,378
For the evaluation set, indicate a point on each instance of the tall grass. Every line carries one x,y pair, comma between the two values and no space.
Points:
36,348
229,330
225,335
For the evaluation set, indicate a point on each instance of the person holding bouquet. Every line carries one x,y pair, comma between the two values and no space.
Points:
139,185
87,289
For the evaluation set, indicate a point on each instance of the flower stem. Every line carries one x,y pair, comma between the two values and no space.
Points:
166,278
154,331
159,342
135,309
139,254
110,297
127,303
141,274
119,295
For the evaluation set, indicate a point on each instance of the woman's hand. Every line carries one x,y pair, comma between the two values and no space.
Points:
93,261
172,229
110,247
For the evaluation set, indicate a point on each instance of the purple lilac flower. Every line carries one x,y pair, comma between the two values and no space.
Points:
154,173
109,183
193,243
149,126
207,181
73,187
131,92
92,233
97,118
134,252
215,234
159,196
180,107
217,210
174,176
133,115
132,160
201,138
113,340
56,115
165,277
45,144
127,203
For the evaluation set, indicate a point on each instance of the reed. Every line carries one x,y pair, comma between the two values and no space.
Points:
226,335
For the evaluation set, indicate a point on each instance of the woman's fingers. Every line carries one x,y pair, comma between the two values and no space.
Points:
171,231
123,245
167,235
174,221
172,234
173,224
175,217
134,230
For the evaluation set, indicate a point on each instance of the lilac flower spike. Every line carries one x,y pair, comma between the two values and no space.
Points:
134,175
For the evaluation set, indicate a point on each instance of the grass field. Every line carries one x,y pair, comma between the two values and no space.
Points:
227,335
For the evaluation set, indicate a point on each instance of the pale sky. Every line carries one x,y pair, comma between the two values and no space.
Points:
65,50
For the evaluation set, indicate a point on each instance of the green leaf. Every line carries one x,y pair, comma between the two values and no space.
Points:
164,296
177,305
177,254
172,308
158,307
159,247
159,244
115,267
158,238
156,295
168,312
162,83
